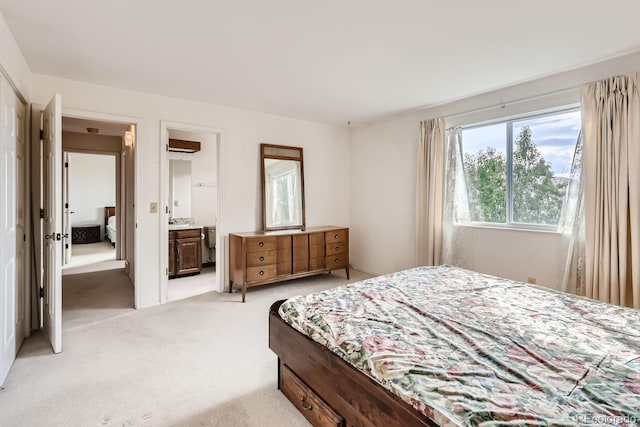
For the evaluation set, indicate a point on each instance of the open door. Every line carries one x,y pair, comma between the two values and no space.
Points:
52,224
8,226
66,220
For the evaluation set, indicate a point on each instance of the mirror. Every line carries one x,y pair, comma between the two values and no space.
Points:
180,188
282,187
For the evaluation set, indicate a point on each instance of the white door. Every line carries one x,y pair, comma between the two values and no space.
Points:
7,229
52,224
21,215
66,220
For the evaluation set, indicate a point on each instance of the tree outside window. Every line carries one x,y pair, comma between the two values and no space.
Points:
517,171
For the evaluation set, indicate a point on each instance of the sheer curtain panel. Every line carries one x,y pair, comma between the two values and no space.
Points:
571,225
430,192
611,125
456,202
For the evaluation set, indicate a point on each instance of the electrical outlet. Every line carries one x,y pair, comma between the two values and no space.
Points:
153,207
531,280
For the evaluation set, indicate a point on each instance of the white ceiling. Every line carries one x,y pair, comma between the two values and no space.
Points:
70,124
329,61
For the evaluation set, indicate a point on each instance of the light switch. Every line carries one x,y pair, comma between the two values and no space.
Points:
153,207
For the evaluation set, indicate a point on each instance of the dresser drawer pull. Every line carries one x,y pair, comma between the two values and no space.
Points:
335,237
261,272
261,258
337,260
261,244
305,405
337,248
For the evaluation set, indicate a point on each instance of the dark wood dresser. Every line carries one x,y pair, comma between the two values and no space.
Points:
263,257
87,233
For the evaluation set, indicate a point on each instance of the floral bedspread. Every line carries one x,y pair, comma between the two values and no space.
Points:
468,349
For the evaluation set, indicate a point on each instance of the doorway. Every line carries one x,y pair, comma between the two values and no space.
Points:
191,193
89,191
95,283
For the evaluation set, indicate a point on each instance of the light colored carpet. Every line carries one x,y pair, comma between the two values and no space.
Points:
84,258
189,286
202,361
94,297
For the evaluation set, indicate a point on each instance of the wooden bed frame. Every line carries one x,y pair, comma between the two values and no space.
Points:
358,399
108,211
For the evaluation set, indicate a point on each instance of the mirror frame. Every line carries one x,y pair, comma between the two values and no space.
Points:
263,155
172,196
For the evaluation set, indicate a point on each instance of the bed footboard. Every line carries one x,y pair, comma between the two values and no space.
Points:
355,398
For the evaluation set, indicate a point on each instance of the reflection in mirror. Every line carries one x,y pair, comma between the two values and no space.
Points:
283,187
180,188
283,192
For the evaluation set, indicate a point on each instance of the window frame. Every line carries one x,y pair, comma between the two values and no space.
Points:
509,121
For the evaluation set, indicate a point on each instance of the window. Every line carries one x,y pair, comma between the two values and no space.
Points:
516,171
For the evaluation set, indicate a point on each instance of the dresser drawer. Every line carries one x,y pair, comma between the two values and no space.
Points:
283,255
301,265
283,268
316,263
258,274
336,248
261,258
316,239
335,236
259,244
314,409
334,262
316,251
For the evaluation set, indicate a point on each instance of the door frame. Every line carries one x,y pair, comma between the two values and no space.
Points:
36,174
221,256
118,179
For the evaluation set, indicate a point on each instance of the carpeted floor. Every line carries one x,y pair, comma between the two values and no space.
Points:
94,297
202,361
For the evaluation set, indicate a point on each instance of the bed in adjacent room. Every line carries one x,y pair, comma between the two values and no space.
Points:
443,346
110,224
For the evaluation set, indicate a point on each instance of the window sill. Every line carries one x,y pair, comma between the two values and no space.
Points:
508,227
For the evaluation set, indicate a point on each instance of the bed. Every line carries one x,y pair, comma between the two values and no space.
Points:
443,346
110,224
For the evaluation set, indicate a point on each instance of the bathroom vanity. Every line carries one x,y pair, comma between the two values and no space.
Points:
185,250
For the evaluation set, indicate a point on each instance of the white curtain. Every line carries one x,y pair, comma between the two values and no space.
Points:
430,192
611,126
456,208
572,225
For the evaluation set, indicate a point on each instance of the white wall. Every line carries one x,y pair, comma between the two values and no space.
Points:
12,61
92,186
383,161
327,157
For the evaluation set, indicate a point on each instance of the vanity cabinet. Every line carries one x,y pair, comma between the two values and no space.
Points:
260,258
172,256
185,252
